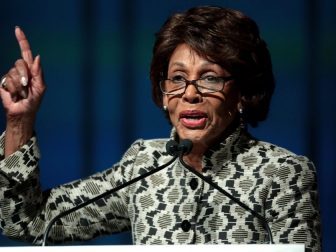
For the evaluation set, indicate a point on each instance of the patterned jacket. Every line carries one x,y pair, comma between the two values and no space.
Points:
172,206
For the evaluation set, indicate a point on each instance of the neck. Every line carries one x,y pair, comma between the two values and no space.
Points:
194,160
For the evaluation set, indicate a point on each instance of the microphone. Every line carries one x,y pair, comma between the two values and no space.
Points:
187,145
173,148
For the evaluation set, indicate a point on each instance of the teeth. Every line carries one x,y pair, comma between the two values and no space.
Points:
194,117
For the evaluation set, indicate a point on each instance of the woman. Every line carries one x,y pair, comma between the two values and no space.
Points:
211,73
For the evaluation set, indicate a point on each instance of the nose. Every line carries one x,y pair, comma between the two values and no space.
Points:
191,94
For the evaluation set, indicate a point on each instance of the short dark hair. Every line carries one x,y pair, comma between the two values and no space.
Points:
228,38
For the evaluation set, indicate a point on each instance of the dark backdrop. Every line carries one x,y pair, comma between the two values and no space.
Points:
96,57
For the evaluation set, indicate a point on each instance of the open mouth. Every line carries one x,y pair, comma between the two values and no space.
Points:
193,118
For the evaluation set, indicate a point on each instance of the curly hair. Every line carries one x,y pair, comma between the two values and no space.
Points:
228,38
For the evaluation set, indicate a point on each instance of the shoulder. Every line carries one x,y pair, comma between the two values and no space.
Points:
251,146
146,152
271,159
150,145
280,154
141,156
285,164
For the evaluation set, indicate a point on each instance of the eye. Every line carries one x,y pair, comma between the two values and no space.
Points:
211,79
178,79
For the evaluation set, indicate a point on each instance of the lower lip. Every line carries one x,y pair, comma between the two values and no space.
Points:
194,123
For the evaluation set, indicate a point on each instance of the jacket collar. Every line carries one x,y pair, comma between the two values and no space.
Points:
237,142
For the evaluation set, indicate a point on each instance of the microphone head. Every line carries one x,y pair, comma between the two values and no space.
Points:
185,146
172,147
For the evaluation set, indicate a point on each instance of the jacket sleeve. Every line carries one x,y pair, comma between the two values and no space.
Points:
293,205
25,210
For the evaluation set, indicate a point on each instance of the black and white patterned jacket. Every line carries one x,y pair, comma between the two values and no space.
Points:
172,206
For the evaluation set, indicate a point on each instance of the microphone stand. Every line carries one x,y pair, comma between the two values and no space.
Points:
113,190
243,205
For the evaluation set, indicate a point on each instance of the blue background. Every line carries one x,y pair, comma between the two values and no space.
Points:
96,57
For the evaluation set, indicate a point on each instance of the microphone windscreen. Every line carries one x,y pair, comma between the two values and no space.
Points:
185,146
172,147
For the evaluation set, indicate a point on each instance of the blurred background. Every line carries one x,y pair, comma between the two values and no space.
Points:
96,57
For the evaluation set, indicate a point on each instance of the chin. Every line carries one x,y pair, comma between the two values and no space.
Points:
196,135
201,141
204,137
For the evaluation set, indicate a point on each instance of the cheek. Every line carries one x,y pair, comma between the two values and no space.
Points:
225,111
164,100
231,101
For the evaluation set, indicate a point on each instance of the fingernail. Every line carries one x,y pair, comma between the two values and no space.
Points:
24,81
14,98
24,94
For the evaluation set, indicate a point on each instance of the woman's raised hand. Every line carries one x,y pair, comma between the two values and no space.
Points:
21,91
23,86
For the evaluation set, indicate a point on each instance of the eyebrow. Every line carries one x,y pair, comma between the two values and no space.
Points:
205,64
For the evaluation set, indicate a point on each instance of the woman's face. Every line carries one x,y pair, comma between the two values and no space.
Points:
202,118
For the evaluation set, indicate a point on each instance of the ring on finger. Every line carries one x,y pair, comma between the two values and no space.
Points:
3,82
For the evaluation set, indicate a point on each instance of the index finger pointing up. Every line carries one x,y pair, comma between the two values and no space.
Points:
24,46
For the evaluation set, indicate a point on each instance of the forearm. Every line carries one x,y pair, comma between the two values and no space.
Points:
20,192
25,211
18,132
